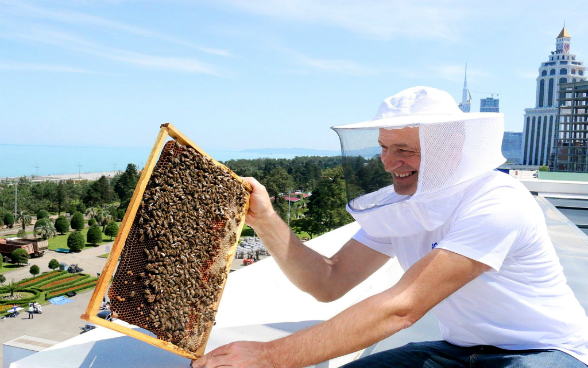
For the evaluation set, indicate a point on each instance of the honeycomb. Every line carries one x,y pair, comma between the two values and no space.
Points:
173,264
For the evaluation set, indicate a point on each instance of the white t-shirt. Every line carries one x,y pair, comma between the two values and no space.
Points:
523,302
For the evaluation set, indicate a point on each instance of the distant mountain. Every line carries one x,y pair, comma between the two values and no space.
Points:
292,151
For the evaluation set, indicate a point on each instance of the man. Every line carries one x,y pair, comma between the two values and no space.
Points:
472,241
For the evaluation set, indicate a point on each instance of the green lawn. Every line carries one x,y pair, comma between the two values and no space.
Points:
247,231
7,267
105,255
60,241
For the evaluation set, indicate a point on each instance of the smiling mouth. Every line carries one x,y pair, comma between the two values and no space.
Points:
398,175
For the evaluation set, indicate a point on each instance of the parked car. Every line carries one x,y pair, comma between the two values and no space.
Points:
74,268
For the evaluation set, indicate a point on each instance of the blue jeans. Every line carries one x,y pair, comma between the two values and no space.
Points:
441,354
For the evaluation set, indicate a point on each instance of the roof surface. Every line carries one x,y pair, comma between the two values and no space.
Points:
260,304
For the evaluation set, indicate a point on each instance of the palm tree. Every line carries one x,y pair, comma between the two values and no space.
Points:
45,230
92,212
104,218
12,286
24,218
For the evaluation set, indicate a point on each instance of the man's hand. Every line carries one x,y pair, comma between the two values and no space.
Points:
260,206
243,354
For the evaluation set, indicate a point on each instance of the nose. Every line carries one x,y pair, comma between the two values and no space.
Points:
390,161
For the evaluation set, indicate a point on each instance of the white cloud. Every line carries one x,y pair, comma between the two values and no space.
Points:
41,67
330,65
71,42
380,19
25,10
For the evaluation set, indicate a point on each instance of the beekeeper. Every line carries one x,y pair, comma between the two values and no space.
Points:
472,241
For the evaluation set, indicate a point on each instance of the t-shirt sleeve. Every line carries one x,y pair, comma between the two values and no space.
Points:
486,229
382,245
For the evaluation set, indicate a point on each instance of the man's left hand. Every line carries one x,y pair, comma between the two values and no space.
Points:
242,354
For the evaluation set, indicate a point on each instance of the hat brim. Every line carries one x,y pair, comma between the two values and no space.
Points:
399,122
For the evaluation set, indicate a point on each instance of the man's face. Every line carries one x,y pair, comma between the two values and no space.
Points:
401,155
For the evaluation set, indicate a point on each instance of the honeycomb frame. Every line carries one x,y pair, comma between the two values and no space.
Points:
125,229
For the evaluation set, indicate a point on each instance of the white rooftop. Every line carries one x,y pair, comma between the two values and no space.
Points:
260,304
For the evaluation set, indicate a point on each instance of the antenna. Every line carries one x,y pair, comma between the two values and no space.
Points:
36,166
79,170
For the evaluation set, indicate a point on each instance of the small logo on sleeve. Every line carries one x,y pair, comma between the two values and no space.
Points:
434,245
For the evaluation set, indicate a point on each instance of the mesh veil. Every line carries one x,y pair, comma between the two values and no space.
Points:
454,154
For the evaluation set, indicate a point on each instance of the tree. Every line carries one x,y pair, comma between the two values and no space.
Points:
12,286
61,196
77,221
126,182
35,270
326,206
42,214
45,229
53,264
543,168
75,241
91,222
307,225
24,218
2,279
19,256
99,192
9,219
94,235
111,229
62,225
103,218
21,234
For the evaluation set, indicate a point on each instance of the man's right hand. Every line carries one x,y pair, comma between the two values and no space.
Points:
260,205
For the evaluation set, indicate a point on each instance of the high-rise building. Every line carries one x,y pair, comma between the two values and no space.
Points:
466,98
511,147
489,104
540,121
571,132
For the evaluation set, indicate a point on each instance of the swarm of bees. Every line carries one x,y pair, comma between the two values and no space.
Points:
173,264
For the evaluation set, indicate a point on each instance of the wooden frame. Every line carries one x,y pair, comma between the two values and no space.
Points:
93,307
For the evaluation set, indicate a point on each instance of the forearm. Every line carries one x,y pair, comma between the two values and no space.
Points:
356,328
305,268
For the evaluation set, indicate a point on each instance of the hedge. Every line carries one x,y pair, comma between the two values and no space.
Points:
23,300
64,275
38,279
73,281
76,288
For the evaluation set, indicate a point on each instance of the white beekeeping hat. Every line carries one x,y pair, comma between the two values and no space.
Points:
456,148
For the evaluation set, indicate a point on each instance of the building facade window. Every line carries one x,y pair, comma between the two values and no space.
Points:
552,72
543,142
550,93
544,73
537,136
527,134
563,80
581,72
573,71
563,71
541,92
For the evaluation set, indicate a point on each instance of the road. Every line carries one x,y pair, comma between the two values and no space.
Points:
58,322
87,259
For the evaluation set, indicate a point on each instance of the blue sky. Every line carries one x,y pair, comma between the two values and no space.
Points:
257,73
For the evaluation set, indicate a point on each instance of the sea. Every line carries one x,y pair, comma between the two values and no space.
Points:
28,160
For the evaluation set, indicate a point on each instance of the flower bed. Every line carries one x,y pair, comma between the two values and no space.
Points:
70,282
62,281
34,280
35,294
77,288
16,296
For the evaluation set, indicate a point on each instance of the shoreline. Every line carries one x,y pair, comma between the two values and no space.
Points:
60,177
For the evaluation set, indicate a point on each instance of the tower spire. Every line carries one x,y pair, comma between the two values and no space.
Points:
465,97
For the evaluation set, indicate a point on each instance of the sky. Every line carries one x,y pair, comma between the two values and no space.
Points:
242,74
